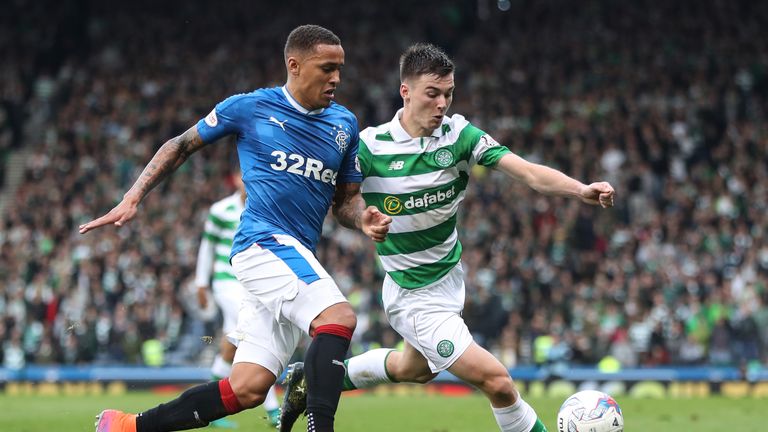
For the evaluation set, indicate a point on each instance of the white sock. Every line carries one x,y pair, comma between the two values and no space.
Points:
271,403
220,368
518,417
368,369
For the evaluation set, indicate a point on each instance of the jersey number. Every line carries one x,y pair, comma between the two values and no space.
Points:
306,167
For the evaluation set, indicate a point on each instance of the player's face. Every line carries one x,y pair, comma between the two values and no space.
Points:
318,75
427,99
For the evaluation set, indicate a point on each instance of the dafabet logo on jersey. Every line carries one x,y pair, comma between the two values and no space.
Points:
393,205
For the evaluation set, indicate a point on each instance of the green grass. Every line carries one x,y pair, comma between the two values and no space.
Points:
406,413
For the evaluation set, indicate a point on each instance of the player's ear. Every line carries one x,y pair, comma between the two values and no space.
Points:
405,92
293,66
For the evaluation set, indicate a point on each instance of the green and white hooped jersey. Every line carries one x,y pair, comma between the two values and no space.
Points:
213,257
420,182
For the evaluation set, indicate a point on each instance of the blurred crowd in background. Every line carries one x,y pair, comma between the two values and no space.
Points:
666,100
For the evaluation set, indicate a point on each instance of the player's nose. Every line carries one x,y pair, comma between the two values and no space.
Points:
442,103
335,77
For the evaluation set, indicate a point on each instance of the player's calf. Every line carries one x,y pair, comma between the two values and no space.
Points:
324,369
194,408
407,369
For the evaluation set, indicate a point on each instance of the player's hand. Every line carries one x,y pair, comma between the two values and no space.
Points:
202,297
118,216
600,193
375,224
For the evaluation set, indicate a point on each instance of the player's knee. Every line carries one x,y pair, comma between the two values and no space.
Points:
248,396
500,389
346,317
339,314
249,392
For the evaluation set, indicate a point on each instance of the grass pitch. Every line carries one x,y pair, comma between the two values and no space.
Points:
405,413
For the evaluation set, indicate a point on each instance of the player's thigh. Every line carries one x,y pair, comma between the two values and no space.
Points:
287,278
270,272
316,304
318,299
480,368
262,338
429,319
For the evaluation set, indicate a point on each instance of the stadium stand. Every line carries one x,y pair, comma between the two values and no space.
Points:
667,100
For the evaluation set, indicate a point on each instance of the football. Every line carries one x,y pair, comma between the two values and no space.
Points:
590,411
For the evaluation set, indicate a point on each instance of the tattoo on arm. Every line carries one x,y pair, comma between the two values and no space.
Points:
348,206
168,158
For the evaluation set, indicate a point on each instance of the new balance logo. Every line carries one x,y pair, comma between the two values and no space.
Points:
396,165
278,122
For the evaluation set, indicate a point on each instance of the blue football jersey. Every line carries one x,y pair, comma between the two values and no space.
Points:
291,160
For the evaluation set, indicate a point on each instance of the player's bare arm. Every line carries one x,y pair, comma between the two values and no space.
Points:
350,210
550,181
168,157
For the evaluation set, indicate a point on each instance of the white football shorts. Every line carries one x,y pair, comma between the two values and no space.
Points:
286,289
429,318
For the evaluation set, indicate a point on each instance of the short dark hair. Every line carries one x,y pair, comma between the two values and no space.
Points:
424,58
304,38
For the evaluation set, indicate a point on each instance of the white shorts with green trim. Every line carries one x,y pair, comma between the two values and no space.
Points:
430,318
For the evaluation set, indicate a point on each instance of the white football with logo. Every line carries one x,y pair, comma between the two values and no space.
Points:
590,411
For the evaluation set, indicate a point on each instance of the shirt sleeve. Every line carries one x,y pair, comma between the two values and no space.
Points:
225,119
349,171
488,151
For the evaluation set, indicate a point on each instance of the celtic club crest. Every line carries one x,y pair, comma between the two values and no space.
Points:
445,348
443,158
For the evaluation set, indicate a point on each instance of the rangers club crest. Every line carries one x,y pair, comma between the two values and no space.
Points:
341,133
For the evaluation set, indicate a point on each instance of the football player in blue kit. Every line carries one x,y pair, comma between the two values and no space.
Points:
297,151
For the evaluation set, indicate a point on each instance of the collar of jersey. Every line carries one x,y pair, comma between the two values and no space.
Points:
400,135
298,106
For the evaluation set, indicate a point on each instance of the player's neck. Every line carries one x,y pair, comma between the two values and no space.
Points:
298,96
412,127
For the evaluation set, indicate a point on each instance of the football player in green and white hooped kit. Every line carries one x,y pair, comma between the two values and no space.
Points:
416,169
